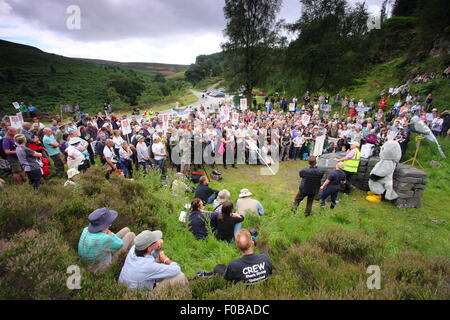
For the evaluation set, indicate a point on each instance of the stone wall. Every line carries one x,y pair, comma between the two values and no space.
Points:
409,182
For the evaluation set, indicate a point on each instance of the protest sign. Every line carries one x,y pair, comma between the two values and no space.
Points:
224,115
125,126
15,122
93,144
318,146
305,119
165,120
243,104
70,108
16,105
291,106
404,109
180,112
333,140
235,118
20,117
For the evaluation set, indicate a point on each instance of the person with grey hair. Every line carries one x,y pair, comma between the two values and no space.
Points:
52,148
147,267
222,197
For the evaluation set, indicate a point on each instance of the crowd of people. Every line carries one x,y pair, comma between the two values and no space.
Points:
271,132
204,137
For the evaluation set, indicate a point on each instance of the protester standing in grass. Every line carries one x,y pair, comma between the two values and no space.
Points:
29,161
9,147
52,148
332,185
310,185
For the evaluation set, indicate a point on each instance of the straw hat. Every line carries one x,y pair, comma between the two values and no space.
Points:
245,193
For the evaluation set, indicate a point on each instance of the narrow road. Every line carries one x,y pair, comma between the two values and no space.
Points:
202,102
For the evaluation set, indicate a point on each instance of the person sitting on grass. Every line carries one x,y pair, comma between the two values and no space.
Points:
147,267
226,222
246,205
223,196
249,269
199,218
98,246
204,192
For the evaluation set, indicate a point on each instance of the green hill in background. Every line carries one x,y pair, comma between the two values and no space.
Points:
162,68
47,80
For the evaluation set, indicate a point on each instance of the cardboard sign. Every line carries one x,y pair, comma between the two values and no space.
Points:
243,104
93,144
224,115
333,140
16,105
291,106
165,120
318,146
235,118
305,119
125,126
20,117
15,122
367,150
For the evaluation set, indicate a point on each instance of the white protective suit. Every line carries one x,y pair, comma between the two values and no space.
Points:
390,156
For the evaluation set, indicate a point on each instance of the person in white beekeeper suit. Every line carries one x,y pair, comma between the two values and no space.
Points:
382,175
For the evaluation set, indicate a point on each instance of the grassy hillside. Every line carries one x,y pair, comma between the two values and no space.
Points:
47,80
324,256
396,72
161,68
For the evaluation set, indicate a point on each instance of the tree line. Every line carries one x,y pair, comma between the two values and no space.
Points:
332,43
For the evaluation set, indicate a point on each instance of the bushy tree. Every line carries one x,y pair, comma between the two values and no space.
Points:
129,88
330,47
152,93
252,31
404,7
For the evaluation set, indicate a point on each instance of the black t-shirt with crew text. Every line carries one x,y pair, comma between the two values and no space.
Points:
250,269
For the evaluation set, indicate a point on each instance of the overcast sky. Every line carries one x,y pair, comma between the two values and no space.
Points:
165,31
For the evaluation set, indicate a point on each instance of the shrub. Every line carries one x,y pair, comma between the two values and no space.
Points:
355,246
20,208
410,275
316,270
33,266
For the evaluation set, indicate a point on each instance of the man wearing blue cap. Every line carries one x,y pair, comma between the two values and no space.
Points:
98,246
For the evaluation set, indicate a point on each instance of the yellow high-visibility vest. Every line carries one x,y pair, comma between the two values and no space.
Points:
352,164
